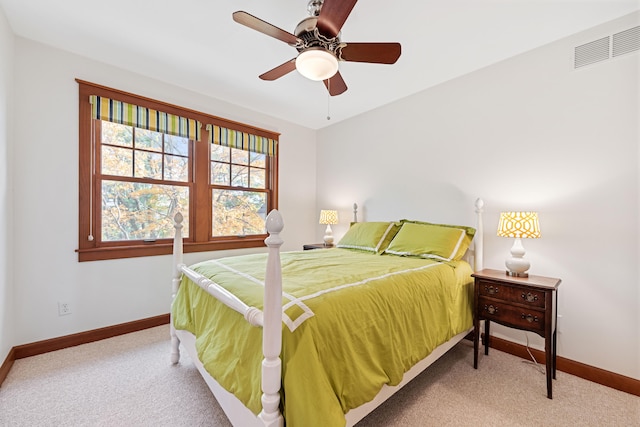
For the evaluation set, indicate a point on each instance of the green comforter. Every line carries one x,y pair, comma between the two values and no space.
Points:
352,322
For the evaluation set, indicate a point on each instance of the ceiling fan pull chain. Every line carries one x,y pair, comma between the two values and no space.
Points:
329,99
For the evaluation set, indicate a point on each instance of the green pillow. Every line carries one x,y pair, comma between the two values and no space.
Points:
369,236
442,242
469,230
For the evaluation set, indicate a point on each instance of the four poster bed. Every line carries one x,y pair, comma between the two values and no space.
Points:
340,329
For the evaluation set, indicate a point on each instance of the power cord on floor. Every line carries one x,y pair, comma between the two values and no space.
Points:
533,359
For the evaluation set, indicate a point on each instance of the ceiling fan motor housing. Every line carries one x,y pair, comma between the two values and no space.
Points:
313,39
307,25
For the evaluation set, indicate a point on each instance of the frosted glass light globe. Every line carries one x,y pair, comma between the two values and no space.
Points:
317,64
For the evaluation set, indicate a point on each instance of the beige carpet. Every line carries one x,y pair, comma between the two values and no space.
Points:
128,381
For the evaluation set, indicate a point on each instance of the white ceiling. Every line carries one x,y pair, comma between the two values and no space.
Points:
195,44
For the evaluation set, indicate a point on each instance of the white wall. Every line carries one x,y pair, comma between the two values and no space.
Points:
45,177
6,289
529,133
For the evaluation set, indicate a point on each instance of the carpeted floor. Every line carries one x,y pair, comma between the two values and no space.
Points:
129,381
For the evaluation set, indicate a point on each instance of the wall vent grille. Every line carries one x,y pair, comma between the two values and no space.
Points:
626,41
592,52
608,47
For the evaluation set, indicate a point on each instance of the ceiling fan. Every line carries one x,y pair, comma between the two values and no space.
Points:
317,40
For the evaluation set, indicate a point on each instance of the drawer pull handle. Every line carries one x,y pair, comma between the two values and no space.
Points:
530,318
491,290
529,297
491,309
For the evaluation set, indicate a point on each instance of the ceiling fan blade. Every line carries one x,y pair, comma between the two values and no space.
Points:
264,27
335,85
379,53
333,15
280,70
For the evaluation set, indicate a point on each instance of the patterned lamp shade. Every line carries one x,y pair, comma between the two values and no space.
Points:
519,224
328,217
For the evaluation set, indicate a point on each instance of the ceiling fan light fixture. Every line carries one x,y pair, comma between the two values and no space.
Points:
317,64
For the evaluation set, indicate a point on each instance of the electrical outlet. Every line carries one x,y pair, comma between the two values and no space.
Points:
64,308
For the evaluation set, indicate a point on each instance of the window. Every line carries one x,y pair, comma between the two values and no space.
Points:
238,199
144,179
142,161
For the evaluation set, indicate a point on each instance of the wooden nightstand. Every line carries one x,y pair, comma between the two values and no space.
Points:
527,303
316,246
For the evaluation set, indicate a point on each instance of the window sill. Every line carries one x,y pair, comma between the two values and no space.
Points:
162,248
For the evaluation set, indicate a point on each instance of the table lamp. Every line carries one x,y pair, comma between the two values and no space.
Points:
518,225
328,217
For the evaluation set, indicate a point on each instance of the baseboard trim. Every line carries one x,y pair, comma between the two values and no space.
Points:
7,364
590,373
40,347
53,344
587,372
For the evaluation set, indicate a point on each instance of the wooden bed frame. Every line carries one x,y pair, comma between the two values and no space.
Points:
270,319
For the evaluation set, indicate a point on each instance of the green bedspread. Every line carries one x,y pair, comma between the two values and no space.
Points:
352,322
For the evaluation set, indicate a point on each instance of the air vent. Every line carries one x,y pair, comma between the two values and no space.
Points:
626,41
592,52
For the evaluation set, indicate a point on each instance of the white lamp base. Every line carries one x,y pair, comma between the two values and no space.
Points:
328,236
517,266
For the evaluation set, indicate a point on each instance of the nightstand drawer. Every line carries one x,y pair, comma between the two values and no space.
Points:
505,292
502,312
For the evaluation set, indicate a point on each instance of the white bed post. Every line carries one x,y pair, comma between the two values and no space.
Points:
355,212
272,329
478,249
177,264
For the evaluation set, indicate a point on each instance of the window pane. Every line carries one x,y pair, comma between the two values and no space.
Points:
239,176
135,211
238,213
220,153
176,145
220,173
115,134
148,165
148,140
239,157
258,160
117,161
176,168
257,178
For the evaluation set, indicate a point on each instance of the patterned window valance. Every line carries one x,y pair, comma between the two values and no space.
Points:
242,140
144,118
